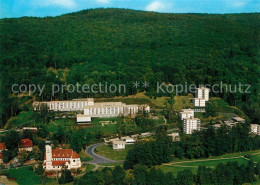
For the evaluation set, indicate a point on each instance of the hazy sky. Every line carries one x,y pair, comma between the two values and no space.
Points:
41,8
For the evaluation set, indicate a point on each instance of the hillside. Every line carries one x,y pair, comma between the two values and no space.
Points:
123,46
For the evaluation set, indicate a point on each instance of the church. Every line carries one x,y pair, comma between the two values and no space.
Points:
58,159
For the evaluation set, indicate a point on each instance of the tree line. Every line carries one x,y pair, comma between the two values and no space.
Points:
230,173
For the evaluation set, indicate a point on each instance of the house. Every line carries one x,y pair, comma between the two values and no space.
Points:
25,144
255,129
175,136
191,124
57,159
2,147
118,145
217,126
186,113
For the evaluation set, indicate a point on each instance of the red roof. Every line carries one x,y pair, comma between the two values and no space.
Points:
63,153
2,146
58,163
1,156
24,143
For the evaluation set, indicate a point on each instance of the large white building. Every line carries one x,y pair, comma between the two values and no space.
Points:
67,105
186,113
191,124
57,159
109,109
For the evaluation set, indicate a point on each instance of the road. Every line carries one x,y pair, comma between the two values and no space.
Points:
97,158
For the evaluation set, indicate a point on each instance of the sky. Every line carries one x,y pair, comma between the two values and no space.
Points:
42,8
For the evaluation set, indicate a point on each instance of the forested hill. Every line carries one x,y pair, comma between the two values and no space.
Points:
121,46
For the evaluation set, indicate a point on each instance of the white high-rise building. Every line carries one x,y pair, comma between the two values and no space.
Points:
202,93
199,102
255,129
191,124
186,113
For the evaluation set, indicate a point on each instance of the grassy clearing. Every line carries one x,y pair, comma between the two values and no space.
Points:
179,165
83,156
64,123
24,176
158,103
107,151
21,119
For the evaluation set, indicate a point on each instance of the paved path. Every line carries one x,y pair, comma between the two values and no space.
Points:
97,158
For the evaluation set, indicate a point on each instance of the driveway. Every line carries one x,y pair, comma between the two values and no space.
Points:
90,150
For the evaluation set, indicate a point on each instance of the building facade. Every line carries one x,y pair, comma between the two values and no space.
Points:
199,102
202,93
109,109
119,145
191,124
67,105
186,113
255,129
57,159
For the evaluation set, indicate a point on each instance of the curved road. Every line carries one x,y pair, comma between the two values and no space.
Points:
97,158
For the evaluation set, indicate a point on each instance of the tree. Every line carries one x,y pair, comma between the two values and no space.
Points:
11,139
66,177
118,175
76,140
185,177
23,156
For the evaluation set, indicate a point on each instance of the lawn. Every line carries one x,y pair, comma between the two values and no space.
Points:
24,176
62,122
83,156
107,151
179,165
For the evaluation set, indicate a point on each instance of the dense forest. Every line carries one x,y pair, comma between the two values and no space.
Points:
122,46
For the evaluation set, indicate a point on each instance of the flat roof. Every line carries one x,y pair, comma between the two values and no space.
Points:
119,142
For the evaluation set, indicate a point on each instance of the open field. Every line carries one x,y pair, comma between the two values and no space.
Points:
179,165
108,152
83,156
23,176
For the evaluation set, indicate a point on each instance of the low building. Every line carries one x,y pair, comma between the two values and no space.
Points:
186,113
199,102
2,147
33,129
58,159
238,119
191,124
118,145
175,136
25,144
217,126
83,119
255,129
129,140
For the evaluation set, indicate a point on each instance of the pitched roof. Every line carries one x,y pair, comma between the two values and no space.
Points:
59,163
24,143
2,146
64,153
